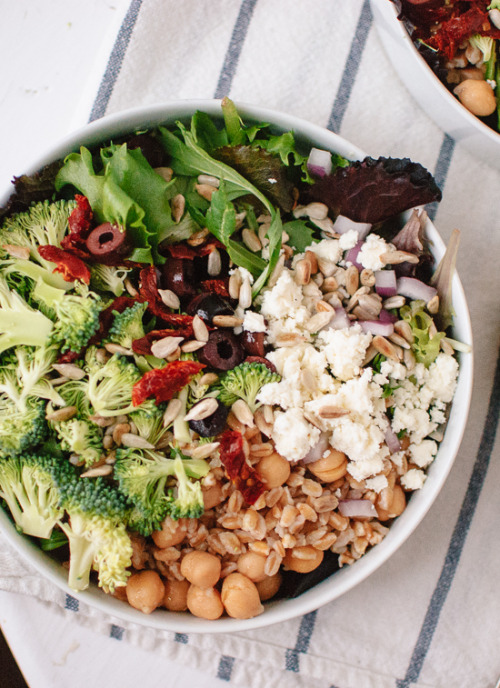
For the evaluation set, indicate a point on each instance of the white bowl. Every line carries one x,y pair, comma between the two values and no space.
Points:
430,94
418,505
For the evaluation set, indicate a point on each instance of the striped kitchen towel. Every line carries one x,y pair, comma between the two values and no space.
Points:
430,617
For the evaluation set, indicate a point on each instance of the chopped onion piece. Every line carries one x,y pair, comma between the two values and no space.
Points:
387,317
340,320
357,508
344,224
385,282
414,288
352,255
384,329
319,162
316,452
392,440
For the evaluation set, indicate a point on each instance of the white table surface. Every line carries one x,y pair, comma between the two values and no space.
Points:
55,52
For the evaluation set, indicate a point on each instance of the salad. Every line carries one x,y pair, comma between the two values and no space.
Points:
225,365
460,39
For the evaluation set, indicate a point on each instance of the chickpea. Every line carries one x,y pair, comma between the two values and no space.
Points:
477,96
204,602
269,586
171,533
120,593
303,559
212,496
330,467
201,568
396,507
240,597
175,598
145,591
274,470
251,564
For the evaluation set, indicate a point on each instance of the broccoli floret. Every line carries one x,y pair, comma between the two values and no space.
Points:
21,430
81,437
28,488
21,325
186,498
127,325
108,278
245,382
74,393
148,420
143,476
96,531
45,223
109,388
76,315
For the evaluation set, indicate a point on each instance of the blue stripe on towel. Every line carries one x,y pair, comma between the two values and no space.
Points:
115,61
351,68
225,668
72,604
116,632
306,628
457,541
181,638
234,50
442,167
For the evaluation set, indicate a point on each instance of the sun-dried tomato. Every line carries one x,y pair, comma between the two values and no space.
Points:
148,289
242,475
142,346
453,32
217,286
70,356
182,251
70,267
163,383
80,224
209,245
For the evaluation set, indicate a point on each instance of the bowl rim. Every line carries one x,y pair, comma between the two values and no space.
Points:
348,577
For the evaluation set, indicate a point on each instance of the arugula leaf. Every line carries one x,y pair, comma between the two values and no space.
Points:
238,132
300,233
221,216
274,234
206,132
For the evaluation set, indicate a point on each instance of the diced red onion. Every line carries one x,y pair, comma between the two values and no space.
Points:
392,441
357,508
414,288
352,255
385,282
344,224
316,452
340,320
319,162
384,329
387,317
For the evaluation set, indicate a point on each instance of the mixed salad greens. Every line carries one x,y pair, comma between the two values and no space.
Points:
120,356
460,40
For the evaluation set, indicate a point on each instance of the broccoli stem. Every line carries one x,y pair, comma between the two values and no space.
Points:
181,427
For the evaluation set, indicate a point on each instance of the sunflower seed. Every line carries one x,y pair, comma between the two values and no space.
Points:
398,257
192,345
203,409
275,274
205,190
209,179
313,260
433,305
242,413
166,172
385,347
118,349
404,330
327,267
245,297
200,329
395,338
166,346
227,321
329,411
97,472
234,284
171,412
409,359
178,204
198,238
367,277
64,413
319,320
135,442
69,370
251,240
208,379
352,279
302,272
203,451
214,264
316,211
323,306
288,339
130,287
169,298
394,302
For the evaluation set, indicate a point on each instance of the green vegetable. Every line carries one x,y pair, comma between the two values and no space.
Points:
76,315
425,346
109,387
442,280
186,498
81,437
127,326
143,477
27,486
245,382
148,420
21,429
108,278
96,530
301,234
19,323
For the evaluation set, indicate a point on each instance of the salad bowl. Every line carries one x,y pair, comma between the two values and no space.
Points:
343,580
428,91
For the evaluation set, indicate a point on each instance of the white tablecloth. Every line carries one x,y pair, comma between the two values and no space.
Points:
430,616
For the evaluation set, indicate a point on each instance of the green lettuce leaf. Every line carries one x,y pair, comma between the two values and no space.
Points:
301,234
